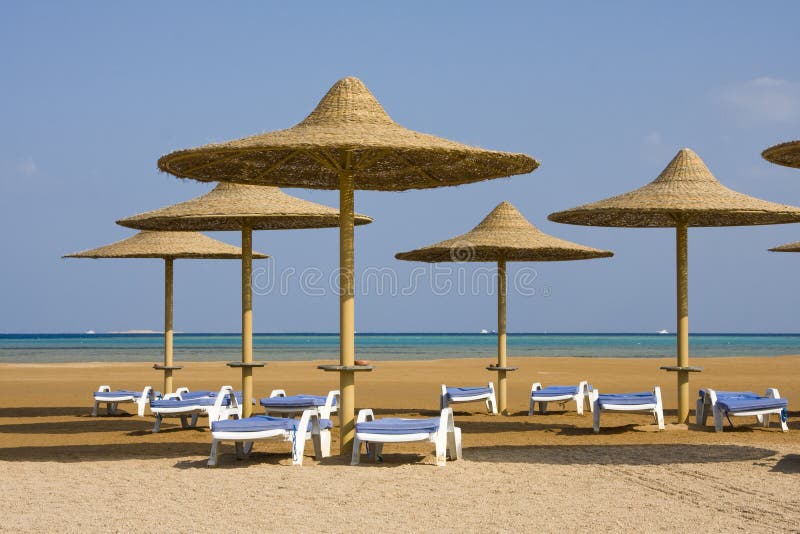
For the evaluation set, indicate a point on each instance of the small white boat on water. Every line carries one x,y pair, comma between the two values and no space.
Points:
663,331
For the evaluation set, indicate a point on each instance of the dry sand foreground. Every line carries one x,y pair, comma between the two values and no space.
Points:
61,470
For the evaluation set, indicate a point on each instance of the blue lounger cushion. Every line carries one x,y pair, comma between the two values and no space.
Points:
118,393
747,404
198,394
394,425
627,399
295,401
123,393
197,401
467,392
556,391
260,423
731,394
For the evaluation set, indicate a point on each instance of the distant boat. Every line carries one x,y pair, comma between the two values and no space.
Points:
137,332
484,331
89,332
663,331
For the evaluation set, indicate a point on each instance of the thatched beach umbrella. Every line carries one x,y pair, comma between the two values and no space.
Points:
788,247
786,154
169,246
348,142
244,208
685,194
503,236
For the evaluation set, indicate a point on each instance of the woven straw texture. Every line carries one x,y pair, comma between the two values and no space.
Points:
686,190
234,206
348,130
786,154
504,235
167,245
788,247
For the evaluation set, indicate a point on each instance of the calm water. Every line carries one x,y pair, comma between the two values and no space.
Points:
216,347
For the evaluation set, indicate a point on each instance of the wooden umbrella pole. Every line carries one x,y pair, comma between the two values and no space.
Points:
683,320
502,387
247,321
168,277
346,314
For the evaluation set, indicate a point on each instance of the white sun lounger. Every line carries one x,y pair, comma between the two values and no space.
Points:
724,404
469,394
293,405
280,403
190,405
244,432
104,394
375,432
630,402
562,394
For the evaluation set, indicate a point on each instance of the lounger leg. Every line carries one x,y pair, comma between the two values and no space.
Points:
157,424
94,410
212,457
763,420
784,426
184,422
441,448
454,443
596,419
111,408
579,402
531,406
356,457
660,418
491,405
299,448
194,421
699,415
718,422
324,444
242,449
542,407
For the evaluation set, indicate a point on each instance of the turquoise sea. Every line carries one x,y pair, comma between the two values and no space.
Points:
43,348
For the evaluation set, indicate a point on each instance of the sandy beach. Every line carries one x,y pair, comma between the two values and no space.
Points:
62,469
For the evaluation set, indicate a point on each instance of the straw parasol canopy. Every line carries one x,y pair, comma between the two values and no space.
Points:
504,235
788,247
244,208
348,142
786,154
685,194
348,130
230,207
168,246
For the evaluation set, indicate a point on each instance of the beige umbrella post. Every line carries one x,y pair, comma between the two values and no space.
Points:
503,236
348,142
168,246
685,194
786,154
232,207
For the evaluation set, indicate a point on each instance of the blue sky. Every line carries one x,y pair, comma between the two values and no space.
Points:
603,94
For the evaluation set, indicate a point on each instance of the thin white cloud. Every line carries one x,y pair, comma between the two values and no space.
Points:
763,99
27,167
652,139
